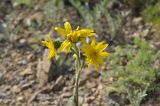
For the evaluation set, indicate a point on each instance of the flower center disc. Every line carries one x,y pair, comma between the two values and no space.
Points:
73,37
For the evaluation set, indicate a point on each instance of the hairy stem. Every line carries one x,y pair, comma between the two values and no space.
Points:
78,72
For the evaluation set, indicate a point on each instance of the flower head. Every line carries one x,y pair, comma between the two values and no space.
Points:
48,43
94,53
72,36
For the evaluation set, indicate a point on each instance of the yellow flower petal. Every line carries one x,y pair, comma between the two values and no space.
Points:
93,43
76,35
83,40
68,27
68,47
61,31
65,46
101,46
86,32
49,37
104,54
45,43
85,48
51,53
96,66
77,28
95,53
48,43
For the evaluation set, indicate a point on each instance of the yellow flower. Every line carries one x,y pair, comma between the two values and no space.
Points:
94,53
50,46
72,36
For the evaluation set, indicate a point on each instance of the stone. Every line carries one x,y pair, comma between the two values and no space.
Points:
27,71
100,87
22,41
45,70
85,104
65,89
2,37
91,84
22,62
66,95
20,98
145,33
27,85
81,100
59,83
2,94
137,20
83,81
16,89
31,57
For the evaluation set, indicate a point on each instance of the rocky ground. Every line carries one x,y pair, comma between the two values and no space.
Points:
24,79
25,71
19,85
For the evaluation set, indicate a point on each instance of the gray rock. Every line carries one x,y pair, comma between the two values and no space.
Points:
2,94
45,70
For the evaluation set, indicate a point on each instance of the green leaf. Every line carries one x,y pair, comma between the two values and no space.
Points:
57,44
141,43
25,2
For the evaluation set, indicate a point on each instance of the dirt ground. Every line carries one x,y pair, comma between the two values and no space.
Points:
21,54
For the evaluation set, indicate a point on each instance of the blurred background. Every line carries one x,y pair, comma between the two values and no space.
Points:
132,73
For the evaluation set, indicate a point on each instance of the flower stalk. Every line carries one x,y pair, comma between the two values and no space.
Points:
78,72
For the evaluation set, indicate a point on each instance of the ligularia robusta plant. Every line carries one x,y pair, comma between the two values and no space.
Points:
94,52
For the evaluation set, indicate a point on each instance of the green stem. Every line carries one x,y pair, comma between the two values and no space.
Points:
78,72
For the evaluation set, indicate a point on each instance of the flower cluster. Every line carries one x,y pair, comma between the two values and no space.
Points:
93,52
